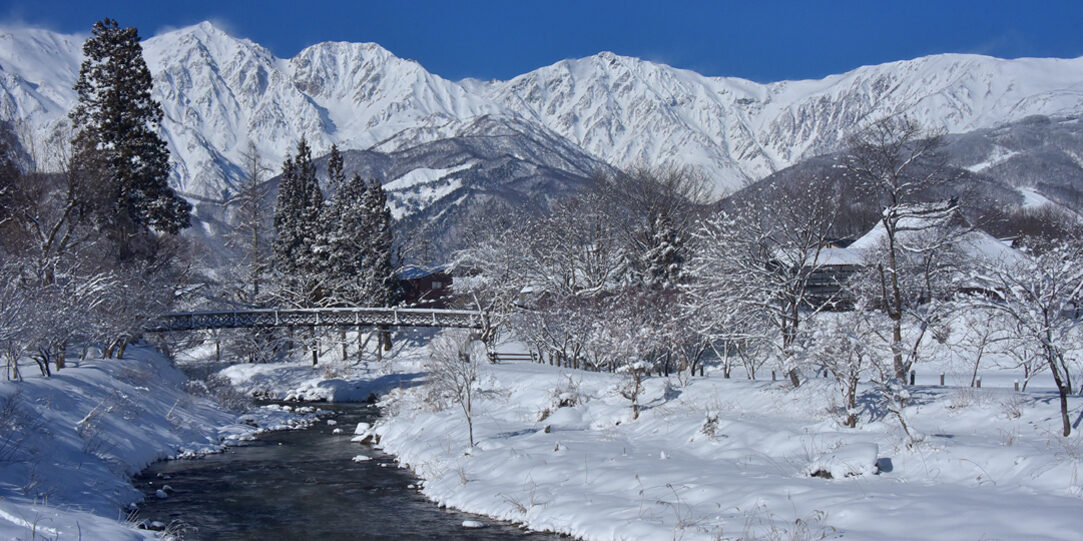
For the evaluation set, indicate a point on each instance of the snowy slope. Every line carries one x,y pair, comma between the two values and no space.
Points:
633,111
220,92
69,443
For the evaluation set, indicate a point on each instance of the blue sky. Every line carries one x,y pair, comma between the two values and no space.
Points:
763,41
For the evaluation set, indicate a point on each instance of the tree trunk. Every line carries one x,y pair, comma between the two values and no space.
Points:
1062,389
61,360
385,339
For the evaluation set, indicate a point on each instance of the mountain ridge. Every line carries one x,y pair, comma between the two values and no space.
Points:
220,92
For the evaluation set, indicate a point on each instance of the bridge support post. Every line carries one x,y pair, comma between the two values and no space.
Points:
360,345
342,336
315,356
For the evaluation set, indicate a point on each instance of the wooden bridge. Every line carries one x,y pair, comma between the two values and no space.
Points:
316,317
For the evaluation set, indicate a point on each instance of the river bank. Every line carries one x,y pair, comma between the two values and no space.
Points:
708,458
558,450
69,444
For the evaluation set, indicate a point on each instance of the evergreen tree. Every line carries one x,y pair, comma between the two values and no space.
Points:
298,229
118,151
356,245
344,244
383,285
335,173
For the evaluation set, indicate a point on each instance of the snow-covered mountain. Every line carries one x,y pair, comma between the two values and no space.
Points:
220,92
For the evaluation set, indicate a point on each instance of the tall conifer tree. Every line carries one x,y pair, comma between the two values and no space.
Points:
383,285
297,228
124,162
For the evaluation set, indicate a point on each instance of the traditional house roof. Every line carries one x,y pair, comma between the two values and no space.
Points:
924,220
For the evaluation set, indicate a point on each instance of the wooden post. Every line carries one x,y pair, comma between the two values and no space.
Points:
941,379
913,376
701,370
979,382
773,377
217,351
315,356
1017,386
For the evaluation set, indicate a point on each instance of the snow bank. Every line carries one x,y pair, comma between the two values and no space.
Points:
73,441
332,381
847,461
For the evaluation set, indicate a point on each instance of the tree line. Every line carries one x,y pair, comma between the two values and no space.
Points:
89,227
641,275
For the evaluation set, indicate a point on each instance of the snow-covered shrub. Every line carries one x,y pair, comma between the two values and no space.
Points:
221,390
895,395
845,461
710,424
840,344
1012,407
565,395
632,386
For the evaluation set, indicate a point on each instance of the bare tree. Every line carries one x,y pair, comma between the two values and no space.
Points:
252,212
930,265
899,163
753,264
841,344
453,372
655,211
1041,297
631,338
490,272
983,333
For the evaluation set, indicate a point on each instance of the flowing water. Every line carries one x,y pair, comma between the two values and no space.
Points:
303,484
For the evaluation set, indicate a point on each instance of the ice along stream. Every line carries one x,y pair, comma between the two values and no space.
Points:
303,484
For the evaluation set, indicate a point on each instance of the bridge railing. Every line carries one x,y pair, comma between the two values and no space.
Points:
316,317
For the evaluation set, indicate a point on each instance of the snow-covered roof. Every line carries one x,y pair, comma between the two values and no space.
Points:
973,243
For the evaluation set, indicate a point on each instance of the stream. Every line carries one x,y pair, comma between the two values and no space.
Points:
303,484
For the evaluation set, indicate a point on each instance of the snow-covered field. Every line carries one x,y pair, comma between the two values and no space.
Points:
69,443
732,459
717,458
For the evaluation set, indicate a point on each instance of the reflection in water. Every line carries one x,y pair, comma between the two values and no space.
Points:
302,484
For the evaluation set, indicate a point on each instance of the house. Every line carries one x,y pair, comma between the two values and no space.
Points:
425,288
921,227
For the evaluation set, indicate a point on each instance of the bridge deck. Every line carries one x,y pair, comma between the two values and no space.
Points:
316,317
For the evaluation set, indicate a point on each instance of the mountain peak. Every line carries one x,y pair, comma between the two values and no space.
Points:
219,92
202,29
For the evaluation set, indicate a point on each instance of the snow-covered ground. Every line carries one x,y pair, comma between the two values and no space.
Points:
558,450
69,443
717,458
732,459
